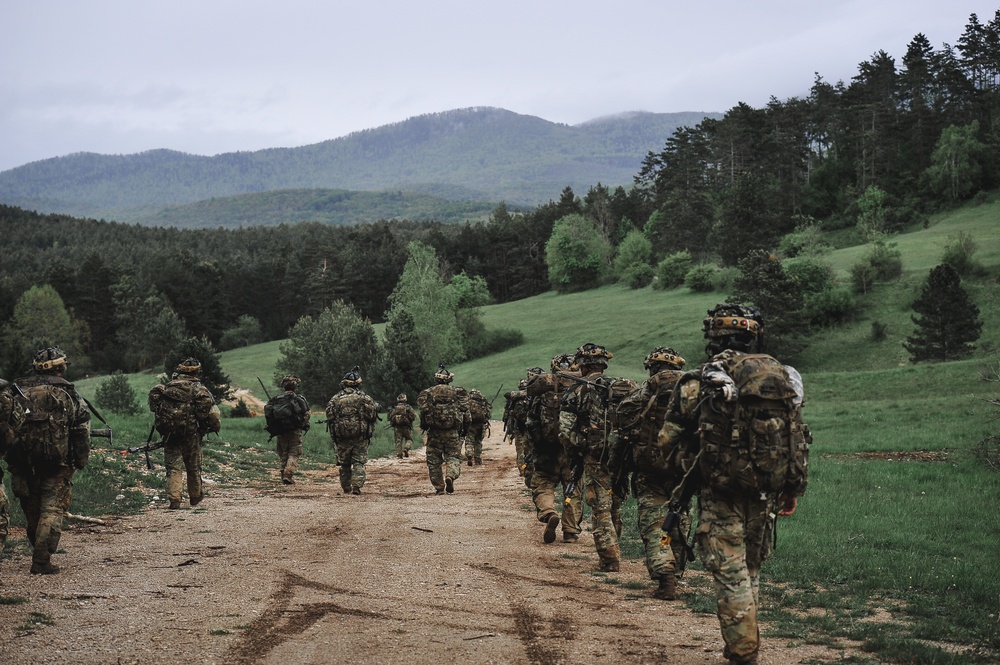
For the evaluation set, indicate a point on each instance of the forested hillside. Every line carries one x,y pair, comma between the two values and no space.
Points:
480,154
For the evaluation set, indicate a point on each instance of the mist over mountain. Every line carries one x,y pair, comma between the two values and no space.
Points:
482,155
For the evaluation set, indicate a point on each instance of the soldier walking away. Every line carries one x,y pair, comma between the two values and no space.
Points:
584,429
736,422
480,411
11,420
350,419
51,445
287,417
514,416
639,418
444,418
550,462
401,419
184,411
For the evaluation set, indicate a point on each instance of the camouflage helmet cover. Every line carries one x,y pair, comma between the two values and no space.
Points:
443,375
352,378
732,326
563,362
50,359
189,366
592,355
290,382
401,397
663,355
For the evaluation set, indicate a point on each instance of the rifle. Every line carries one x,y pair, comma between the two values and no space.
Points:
577,477
146,448
102,434
265,389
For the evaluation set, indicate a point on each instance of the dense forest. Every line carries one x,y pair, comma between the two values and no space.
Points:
915,137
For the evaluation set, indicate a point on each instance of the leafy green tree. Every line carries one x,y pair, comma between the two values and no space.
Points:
422,292
401,367
40,319
246,332
947,320
147,326
872,214
468,294
320,350
211,374
116,394
763,282
670,272
634,250
576,254
959,251
957,163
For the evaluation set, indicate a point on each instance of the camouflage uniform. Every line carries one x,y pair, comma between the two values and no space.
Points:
550,465
401,419
351,443
289,444
182,452
45,491
514,413
444,444
584,430
11,418
479,409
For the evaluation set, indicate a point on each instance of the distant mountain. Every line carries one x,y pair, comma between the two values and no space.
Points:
477,154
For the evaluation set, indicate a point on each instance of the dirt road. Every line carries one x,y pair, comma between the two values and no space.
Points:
306,574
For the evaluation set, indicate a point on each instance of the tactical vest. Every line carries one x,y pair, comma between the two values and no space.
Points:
401,416
441,407
640,417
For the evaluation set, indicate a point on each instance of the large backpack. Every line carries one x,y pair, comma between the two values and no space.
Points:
283,413
479,409
174,409
757,444
43,439
441,406
598,405
640,416
11,415
349,415
401,416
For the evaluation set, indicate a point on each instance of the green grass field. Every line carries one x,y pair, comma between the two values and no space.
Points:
894,545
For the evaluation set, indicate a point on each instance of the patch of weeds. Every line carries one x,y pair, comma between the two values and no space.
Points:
35,621
702,603
219,631
636,585
12,600
578,557
612,580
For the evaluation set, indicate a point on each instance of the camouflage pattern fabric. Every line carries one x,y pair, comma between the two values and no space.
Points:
182,457
474,442
352,455
543,493
403,438
653,500
605,518
4,513
44,498
444,456
289,450
731,539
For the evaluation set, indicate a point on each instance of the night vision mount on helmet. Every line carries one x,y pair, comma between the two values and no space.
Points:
733,326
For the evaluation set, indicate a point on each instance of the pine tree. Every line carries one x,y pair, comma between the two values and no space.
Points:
947,322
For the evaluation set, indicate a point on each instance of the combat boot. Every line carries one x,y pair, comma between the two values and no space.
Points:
175,504
44,569
195,500
479,461
469,460
610,566
668,587
449,485
551,524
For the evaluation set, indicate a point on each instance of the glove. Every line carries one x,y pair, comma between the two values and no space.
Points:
728,392
787,505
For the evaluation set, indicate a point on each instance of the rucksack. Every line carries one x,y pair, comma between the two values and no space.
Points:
640,416
283,413
43,440
479,409
441,407
597,406
349,415
757,444
11,415
401,416
173,407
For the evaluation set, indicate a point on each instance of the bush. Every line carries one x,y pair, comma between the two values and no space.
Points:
958,253
886,261
829,307
637,275
671,271
492,341
116,395
700,278
880,331
862,276
724,278
812,275
241,410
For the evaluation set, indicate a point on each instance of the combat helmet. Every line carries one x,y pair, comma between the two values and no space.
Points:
662,357
733,326
290,382
189,366
49,360
443,376
401,397
352,379
592,355
563,362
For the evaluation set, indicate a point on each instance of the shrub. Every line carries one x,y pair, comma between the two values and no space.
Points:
671,271
700,277
886,261
116,395
862,276
880,331
490,341
724,278
812,275
241,410
958,253
829,307
637,275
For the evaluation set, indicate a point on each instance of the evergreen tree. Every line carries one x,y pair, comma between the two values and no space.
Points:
211,374
116,395
401,368
947,322
764,283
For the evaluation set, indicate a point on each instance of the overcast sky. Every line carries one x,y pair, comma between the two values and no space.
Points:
212,76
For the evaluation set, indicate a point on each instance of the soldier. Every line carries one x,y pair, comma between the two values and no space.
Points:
550,460
287,417
584,431
514,415
641,416
184,411
401,419
444,418
736,421
51,445
480,411
11,420
350,419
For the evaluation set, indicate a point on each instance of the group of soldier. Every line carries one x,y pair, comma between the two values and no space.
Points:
729,433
